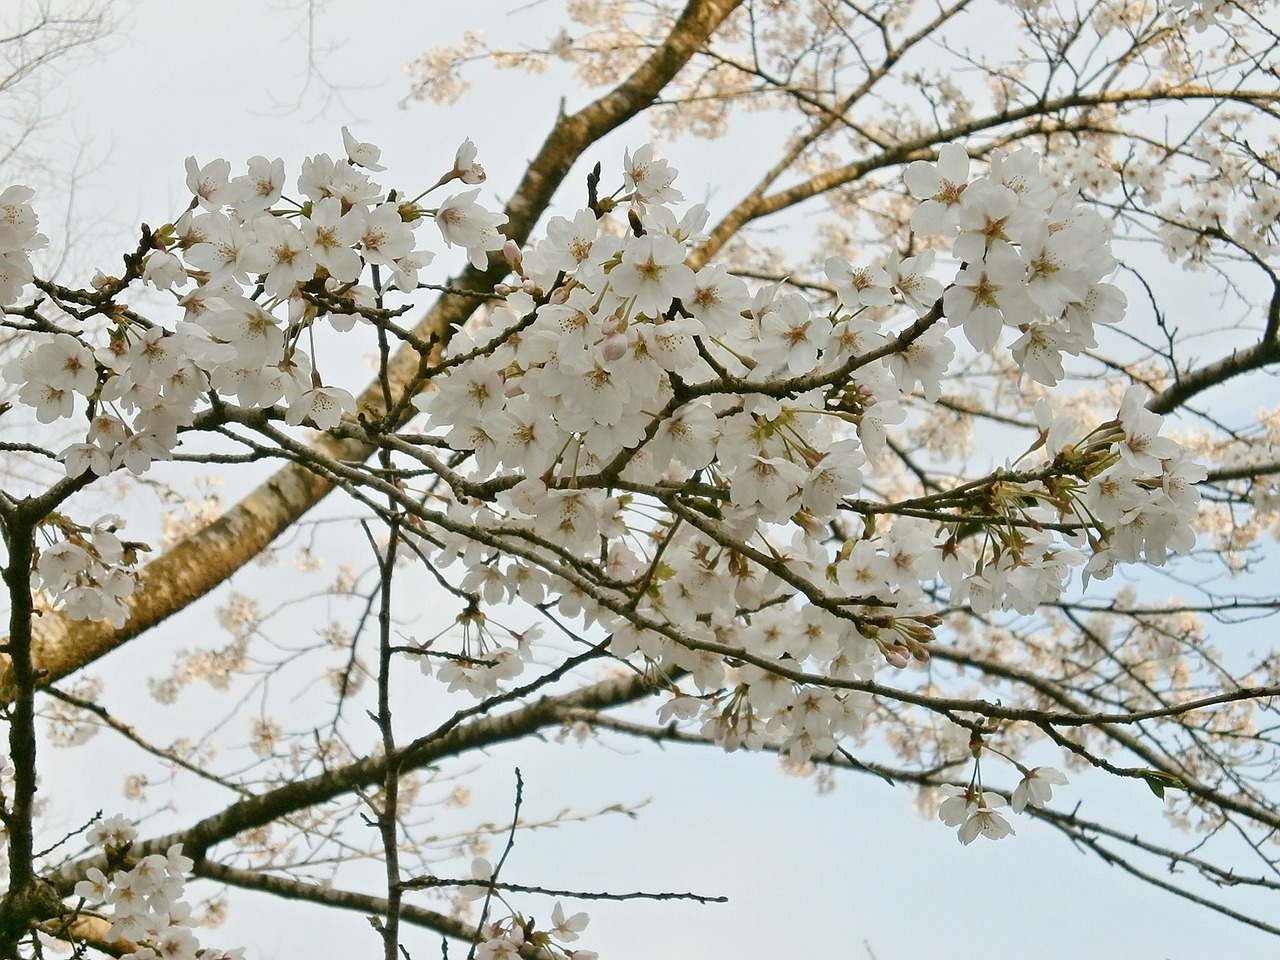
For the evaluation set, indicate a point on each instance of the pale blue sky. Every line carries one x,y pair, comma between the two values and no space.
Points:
808,876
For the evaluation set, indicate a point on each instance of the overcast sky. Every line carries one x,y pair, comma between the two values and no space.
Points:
808,876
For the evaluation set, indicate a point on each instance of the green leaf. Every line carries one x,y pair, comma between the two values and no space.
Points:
1158,781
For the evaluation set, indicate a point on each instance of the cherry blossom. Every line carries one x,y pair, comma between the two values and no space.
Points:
465,167
654,273
986,295
911,278
146,900
566,929
331,236
362,154
940,185
211,183
613,398
648,177
858,287
464,222
1036,788
848,506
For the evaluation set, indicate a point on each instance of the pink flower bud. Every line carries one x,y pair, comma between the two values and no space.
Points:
897,656
511,250
614,347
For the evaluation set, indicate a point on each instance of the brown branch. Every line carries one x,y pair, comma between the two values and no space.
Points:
205,559
757,205
1263,353
457,739
329,896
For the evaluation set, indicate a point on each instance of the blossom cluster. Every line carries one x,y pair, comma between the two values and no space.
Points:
260,271
678,458
145,899
1033,258
511,940
976,811
87,570
1200,14
617,383
19,238
518,936
1130,492
1231,191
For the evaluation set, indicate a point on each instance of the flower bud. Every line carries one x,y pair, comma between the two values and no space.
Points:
511,251
614,347
897,655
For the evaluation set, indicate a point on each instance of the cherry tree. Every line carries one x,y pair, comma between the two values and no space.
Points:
636,471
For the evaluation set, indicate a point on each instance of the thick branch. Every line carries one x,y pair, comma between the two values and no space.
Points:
266,808
758,205
1263,353
204,560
